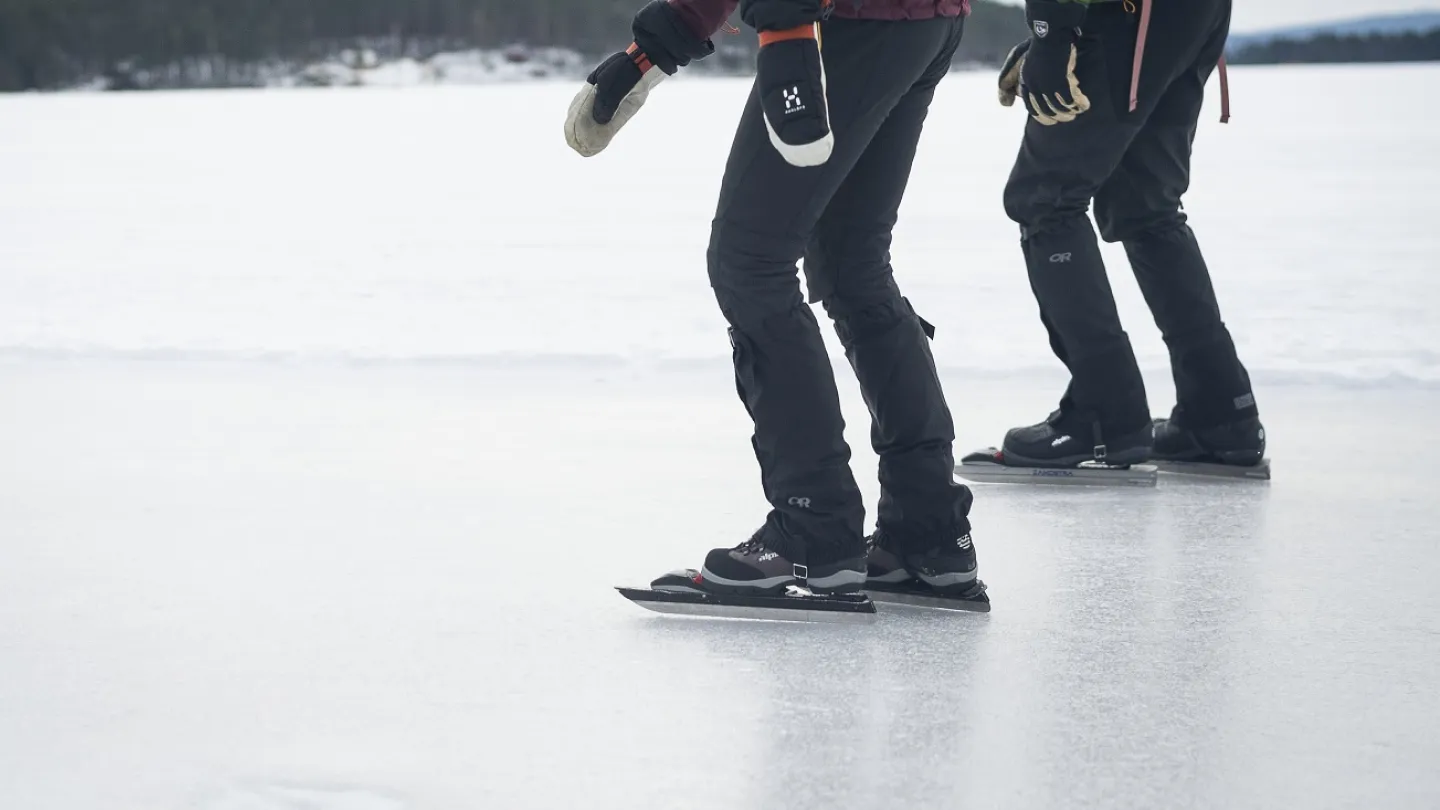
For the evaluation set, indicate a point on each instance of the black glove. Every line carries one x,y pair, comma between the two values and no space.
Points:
790,75
616,77
617,87
1048,85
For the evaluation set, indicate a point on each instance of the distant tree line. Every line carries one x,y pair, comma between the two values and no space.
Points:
1329,48
49,44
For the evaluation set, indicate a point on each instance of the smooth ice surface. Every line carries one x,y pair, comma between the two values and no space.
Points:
328,420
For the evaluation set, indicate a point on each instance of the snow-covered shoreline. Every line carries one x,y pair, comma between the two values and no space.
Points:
366,67
375,226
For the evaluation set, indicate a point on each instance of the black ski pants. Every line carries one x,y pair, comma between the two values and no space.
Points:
1135,166
838,217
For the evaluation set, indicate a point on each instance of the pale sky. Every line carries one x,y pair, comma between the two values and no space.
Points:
1253,15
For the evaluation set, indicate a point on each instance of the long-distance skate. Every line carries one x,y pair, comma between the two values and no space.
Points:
944,576
754,580
989,466
1235,451
680,593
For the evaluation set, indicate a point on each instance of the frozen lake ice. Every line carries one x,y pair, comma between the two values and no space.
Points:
329,419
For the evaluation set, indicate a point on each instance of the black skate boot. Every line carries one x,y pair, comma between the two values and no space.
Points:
754,567
1068,440
944,576
1236,449
753,580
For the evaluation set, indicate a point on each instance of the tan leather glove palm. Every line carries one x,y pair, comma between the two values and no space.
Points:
1055,108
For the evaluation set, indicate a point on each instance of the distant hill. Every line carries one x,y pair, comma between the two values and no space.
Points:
160,44
1415,22
1408,37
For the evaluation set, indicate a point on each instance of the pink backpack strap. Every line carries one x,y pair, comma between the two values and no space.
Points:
1224,93
1139,50
1140,56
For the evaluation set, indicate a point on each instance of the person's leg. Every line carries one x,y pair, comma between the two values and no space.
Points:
764,219
847,267
1140,206
1059,169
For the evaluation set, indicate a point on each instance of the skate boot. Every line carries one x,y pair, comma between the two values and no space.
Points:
755,569
1068,440
755,581
944,576
1239,444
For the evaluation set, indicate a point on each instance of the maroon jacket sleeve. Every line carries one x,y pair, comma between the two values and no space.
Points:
704,16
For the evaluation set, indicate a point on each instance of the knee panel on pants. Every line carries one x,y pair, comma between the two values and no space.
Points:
751,287
1119,223
853,325
1041,208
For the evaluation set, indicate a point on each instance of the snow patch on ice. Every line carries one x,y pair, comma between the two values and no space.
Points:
407,228
294,797
1373,375
478,66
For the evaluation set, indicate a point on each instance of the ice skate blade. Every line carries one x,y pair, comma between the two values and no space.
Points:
918,594
976,467
1201,469
846,609
931,601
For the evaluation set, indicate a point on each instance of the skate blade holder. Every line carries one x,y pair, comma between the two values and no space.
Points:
983,466
1228,472
797,604
977,602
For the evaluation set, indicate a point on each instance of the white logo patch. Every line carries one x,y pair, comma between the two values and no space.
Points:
1041,28
792,100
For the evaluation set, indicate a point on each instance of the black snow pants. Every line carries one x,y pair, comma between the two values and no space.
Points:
838,217
1135,166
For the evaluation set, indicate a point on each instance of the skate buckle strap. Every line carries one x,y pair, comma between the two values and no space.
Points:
1100,450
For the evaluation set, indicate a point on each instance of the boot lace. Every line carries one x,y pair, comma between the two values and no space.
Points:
754,544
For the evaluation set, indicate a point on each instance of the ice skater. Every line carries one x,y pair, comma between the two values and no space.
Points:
1102,129
817,170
